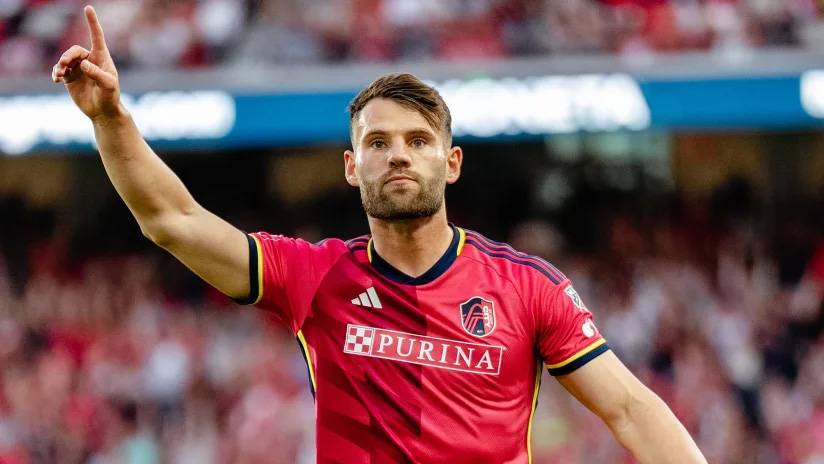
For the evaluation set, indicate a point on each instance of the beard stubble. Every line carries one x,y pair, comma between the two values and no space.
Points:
397,206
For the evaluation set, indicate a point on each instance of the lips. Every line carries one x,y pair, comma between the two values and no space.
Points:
399,177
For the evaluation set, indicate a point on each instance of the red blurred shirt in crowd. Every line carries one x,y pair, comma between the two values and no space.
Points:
815,268
444,367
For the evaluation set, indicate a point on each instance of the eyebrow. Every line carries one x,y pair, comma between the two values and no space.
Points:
412,132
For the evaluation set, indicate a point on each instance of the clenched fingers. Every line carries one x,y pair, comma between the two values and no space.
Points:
73,54
105,80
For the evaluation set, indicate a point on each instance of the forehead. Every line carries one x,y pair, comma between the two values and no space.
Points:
385,115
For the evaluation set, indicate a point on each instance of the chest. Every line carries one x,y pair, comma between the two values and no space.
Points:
468,321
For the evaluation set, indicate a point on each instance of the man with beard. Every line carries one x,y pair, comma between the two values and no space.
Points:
424,342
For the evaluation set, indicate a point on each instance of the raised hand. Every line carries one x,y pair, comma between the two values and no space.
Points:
89,75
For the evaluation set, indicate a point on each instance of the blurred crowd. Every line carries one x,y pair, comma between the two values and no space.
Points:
195,33
729,334
100,362
98,366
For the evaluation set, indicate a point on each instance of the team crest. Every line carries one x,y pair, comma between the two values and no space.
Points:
478,316
576,300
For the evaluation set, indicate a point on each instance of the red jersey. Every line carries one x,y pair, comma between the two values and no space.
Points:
444,367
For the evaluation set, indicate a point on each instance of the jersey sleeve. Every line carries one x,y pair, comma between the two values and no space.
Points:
284,274
567,336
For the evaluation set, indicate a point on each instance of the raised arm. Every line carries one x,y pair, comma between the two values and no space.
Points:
638,418
164,209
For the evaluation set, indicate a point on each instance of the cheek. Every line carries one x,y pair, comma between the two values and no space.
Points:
366,161
359,165
365,168
441,161
354,162
436,153
441,153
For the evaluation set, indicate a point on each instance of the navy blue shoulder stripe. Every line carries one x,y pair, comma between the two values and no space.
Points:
499,246
506,248
362,240
510,257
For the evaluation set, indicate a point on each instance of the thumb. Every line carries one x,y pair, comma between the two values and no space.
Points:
105,80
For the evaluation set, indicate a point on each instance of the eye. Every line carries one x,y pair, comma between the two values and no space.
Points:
378,144
418,143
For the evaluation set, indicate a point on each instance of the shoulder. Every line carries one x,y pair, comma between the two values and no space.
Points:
357,243
509,262
283,243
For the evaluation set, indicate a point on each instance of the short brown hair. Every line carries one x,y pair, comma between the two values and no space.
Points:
409,91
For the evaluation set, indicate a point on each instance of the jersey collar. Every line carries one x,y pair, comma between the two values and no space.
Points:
390,272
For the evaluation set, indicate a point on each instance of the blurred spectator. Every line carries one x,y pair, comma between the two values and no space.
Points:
195,33
278,34
126,442
703,337
100,363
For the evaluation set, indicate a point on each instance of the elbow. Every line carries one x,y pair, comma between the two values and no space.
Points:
635,404
645,425
162,232
157,235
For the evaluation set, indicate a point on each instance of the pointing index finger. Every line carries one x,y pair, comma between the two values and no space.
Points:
95,30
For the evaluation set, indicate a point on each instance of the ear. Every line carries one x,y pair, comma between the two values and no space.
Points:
454,161
349,168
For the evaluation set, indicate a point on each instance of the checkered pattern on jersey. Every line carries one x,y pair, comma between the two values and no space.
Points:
359,340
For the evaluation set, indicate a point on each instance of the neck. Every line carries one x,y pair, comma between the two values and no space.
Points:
412,246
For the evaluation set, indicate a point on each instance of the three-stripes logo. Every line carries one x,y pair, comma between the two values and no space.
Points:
368,299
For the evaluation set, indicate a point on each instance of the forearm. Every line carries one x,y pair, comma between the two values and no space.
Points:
653,434
166,212
153,193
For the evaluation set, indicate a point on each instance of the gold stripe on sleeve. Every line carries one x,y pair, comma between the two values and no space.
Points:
577,355
309,362
259,269
532,413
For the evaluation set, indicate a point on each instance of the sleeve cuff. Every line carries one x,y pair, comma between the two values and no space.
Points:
578,359
255,273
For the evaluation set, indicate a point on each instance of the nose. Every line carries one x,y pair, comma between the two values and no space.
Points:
399,156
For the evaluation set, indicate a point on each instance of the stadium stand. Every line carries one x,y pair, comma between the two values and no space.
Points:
189,33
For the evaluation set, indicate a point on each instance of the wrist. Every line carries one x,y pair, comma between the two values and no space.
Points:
116,116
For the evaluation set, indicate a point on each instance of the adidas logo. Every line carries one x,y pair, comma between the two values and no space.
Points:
369,299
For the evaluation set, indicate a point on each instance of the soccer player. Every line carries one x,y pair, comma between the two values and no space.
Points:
424,341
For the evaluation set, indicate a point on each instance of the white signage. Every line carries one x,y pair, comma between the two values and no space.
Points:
545,105
30,120
812,93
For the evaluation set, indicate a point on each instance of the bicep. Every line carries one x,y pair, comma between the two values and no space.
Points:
213,249
605,386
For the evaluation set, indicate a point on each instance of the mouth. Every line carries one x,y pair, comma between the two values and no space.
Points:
399,179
